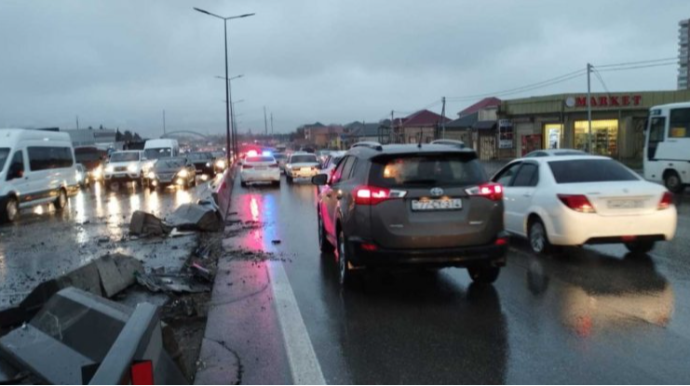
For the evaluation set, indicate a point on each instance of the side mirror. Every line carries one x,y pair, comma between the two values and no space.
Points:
320,179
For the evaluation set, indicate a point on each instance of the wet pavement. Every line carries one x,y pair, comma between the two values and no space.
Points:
44,244
592,315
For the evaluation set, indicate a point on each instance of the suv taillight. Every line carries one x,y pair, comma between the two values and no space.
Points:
577,202
666,201
492,191
370,195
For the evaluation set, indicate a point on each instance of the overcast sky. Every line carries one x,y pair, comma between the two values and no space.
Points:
121,63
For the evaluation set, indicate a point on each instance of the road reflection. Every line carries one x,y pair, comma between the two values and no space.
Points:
602,292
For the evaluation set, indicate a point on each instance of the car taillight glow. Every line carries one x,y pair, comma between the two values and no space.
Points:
577,202
501,241
666,201
370,195
252,153
492,191
369,247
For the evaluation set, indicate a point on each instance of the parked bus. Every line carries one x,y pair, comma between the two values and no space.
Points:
667,146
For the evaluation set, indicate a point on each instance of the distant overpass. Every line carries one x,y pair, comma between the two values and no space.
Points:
183,133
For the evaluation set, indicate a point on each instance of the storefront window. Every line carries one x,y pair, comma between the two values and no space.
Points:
604,136
553,135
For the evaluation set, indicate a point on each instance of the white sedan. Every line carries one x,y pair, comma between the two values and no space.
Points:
260,169
301,165
576,200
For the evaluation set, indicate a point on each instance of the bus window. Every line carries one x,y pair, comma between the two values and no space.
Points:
680,123
656,134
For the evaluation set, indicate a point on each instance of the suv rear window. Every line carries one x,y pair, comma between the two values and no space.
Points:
426,170
590,170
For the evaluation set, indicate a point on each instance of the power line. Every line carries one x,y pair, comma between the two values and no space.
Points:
636,63
638,67
544,83
601,79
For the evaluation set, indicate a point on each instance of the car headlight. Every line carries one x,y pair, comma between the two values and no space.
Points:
132,168
183,173
151,176
208,164
109,169
220,163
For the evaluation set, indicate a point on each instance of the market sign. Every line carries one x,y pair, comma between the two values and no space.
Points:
605,101
505,134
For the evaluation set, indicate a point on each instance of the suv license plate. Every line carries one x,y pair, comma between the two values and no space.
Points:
451,204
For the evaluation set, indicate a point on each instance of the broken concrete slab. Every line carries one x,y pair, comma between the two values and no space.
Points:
202,217
116,278
171,284
146,224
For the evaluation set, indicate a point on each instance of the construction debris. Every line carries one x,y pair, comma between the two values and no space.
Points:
171,283
146,224
201,273
203,216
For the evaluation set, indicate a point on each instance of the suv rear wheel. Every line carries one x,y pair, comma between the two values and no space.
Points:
324,244
484,275
344,270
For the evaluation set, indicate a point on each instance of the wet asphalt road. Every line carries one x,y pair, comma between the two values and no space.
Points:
592,315
44,244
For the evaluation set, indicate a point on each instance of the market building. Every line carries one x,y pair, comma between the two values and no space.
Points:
560,121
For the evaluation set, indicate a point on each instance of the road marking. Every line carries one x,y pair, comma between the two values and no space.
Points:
304,365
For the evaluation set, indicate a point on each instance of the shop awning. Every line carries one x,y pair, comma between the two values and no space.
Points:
485,125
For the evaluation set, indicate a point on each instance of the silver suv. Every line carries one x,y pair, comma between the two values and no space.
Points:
429,206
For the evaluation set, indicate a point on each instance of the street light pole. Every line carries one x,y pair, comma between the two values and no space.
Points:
228,104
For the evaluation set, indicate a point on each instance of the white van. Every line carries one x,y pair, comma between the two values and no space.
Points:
36,167
155,149
667,146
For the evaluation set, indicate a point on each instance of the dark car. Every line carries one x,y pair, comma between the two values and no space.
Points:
173,171
203,162
430,207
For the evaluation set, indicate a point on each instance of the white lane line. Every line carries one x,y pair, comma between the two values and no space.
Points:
304,365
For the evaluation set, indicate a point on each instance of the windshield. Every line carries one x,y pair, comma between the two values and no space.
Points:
200,156
170,163
4,154
158,153
590,170
433,169
296,159
124,157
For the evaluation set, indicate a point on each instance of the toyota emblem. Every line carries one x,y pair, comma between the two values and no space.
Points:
436,192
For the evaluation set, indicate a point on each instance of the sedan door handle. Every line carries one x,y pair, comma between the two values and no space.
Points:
527,195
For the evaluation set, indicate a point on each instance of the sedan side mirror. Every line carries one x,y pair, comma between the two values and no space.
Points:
320,179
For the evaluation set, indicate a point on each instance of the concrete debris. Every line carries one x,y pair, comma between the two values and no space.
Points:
146,224
171,283
203,217
200,273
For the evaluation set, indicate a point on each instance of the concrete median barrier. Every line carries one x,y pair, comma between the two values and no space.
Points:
223,190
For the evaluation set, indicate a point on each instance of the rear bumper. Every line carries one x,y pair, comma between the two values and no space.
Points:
301,174
572,228
271,175
491,255
121,177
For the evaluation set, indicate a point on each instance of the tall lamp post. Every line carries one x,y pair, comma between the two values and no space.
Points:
227,84
235,146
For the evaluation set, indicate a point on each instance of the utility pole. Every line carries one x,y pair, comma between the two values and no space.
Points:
77,122
589,107
272,132
392,133
164,132
443,120
265,122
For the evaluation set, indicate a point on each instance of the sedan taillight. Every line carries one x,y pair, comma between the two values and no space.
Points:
492,191
245,166
577,202
666,201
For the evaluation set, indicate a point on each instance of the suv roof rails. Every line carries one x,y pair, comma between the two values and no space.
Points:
370,144
450,142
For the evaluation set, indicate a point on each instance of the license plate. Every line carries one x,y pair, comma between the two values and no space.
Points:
449,204
625,204
306,169
261,168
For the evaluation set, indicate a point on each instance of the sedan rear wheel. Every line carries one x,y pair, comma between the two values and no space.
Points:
484,275
640,246
538,239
